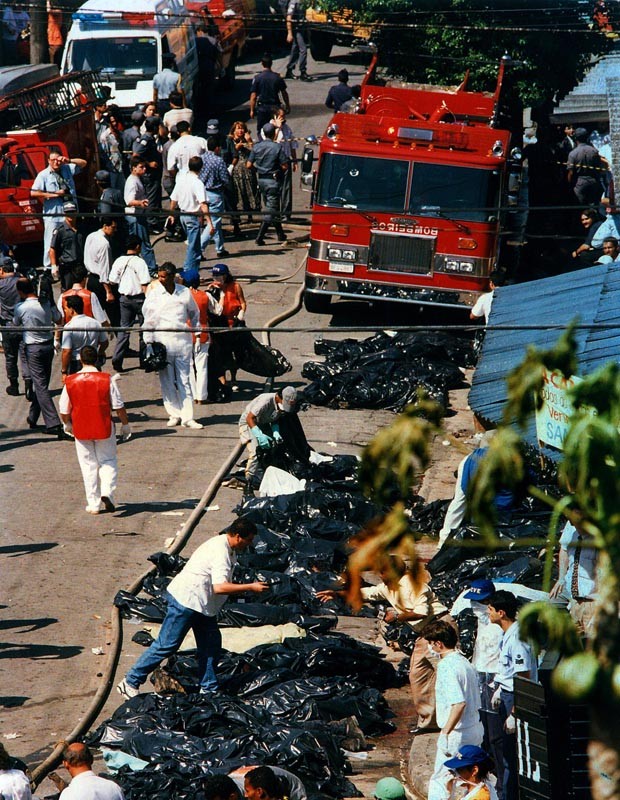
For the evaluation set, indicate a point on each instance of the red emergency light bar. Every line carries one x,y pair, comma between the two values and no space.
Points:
139,18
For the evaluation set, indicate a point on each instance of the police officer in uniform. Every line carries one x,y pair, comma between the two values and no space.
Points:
268,90
146,147
270,162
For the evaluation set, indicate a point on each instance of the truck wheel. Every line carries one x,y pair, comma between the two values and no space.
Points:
317,303
320,46
228,81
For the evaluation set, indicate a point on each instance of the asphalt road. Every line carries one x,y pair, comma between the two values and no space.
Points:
62,567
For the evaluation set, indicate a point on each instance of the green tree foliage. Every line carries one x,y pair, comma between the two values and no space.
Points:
436,41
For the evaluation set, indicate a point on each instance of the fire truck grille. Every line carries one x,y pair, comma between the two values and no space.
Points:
394,253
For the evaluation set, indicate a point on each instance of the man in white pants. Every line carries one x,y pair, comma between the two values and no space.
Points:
170,305
86,405
207,304
457,699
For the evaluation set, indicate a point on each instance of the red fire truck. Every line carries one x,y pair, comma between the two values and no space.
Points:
39,108
409,195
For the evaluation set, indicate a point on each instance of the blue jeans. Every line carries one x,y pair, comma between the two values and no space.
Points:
191,226
137,227
177,622
215,201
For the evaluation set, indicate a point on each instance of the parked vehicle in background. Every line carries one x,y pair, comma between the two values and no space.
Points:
410,195
230,19
126,42
329,27
40,108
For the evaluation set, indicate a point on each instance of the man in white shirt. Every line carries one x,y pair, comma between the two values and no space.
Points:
482,306
457,703
185,147
195,597
177,113
515,658
168,304
189,196
98,258
131,274
576,584
81,331
85,785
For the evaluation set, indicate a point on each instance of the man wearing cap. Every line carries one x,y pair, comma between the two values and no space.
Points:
130,134
189,196
389,789
12,341
87,403
215,178
339,93
268,90
66,247
169,304
258,424
177,112
585,169
270,161
112,204
145,147
457,701
165,81
54,186
131,275
207,304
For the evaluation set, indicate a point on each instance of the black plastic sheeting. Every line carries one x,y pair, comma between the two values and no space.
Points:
387,371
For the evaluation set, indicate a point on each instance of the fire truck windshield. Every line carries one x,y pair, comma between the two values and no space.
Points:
122,56
368,184
464,193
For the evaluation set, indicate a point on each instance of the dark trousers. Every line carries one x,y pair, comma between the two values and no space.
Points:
271,194
152,187
65,271
14,354
263,115
299,51
287,193
509,750
40,358
131,310
493,723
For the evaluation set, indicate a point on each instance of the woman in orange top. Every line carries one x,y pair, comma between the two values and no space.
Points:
233,314
471,767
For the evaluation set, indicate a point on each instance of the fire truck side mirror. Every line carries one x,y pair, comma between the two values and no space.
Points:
307,160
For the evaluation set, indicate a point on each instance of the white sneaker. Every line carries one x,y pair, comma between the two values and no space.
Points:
191,423
173,422
126,691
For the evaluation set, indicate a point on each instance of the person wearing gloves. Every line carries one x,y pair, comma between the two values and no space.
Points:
457,701
515,658
207,304
169,304
88,400
258,424
471,767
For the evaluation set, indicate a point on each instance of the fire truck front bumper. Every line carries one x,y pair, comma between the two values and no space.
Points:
349,289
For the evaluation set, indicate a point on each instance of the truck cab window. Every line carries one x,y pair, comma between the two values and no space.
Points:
369,184
116,56
464,193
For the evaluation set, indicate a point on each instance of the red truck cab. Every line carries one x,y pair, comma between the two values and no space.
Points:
408,196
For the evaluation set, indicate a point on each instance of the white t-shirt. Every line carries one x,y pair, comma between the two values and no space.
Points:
212,563
131,273
97,252
515,656
93,335
457,682
183,149
14,785
176,115
88,786
189,192
482,307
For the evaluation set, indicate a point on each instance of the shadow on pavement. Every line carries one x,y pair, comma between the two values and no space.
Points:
28,624
37,651
14,550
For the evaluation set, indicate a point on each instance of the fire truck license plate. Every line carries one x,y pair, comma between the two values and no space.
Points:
341,266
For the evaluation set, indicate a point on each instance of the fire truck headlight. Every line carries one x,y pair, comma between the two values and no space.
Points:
462,267
349,255
338,254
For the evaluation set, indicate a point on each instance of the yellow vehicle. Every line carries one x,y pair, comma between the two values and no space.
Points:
327,28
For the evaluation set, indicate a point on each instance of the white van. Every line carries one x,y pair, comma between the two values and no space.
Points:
126,39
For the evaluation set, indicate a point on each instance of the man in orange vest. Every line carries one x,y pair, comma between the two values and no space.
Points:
207,304
87,403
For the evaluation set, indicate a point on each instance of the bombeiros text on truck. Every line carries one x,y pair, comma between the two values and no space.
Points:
411,195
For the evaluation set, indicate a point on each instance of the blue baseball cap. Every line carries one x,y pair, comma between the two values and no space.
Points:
467,756
480,590
190,277
220,269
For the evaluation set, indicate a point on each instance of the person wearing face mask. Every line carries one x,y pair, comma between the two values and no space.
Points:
415,605
457,700
471,767
258,424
